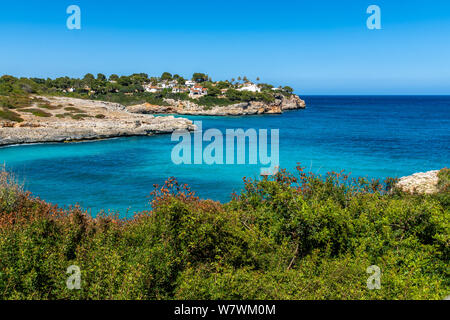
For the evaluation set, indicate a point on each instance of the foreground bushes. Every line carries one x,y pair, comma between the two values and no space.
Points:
286,237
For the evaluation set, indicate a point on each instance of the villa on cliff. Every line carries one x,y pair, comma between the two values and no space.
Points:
194,89
179,90
250,87
197,91
152,89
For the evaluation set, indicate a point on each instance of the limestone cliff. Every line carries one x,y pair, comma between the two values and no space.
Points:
184,107
68,119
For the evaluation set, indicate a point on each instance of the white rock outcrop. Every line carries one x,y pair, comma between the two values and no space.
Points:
114,121
422,182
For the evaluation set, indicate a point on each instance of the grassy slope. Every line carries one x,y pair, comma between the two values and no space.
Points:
287,237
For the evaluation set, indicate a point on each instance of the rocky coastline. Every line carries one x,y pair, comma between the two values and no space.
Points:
186,107
421,182
70,120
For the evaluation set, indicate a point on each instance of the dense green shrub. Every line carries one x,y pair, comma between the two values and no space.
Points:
444,187
79,116
10,115
37,112
444,180
73,109
50,107
284,237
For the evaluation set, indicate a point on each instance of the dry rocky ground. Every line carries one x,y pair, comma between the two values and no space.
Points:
61,119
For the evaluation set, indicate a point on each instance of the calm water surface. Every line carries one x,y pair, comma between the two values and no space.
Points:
374,137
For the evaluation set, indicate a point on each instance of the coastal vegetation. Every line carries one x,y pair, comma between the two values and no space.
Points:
139,88
289,236
10,115
37,112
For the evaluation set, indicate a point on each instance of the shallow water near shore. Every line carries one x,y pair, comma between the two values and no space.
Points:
376,137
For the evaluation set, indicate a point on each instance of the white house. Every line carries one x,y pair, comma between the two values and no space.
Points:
168,85
197,91
250,87
150,88
179,90
190,83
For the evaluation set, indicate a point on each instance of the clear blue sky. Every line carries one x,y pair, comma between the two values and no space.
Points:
317,47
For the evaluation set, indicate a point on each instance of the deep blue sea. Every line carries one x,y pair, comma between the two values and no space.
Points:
371,136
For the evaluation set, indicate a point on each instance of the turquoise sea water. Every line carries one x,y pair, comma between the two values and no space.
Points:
367,136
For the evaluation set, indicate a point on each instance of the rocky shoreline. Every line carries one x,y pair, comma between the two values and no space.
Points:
421,182
70,120
182,107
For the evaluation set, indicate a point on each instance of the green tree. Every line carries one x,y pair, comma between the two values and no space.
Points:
199,77
234,95
112,87
214,91
265,86
223,85
288,89
88,79
124,81
101,77
113,77
166,76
